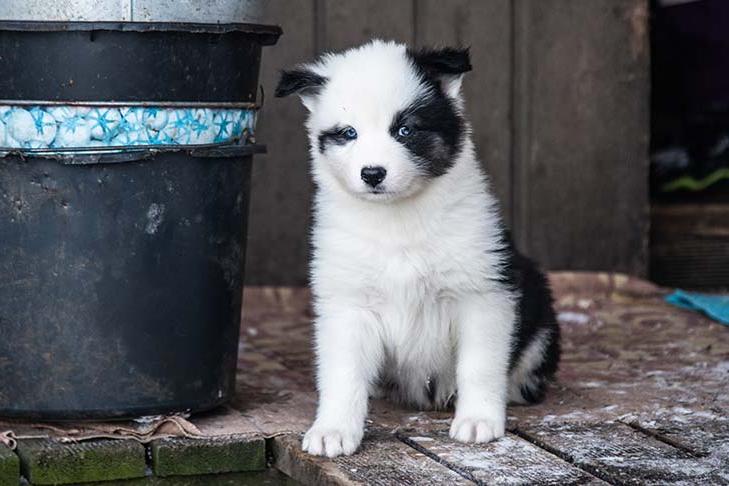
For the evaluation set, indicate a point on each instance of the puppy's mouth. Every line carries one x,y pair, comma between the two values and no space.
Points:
384,194
378,194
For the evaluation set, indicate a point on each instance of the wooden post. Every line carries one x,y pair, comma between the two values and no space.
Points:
581,118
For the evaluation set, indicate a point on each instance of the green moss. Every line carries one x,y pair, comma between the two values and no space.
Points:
9,467
270,477
50,462
185,457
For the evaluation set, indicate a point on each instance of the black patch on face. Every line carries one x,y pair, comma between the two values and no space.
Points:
332,136
298,81
436,132
435,123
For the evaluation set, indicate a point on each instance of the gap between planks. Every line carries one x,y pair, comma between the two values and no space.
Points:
410,443
666,440
565,457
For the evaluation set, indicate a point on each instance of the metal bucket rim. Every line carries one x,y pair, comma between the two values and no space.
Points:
133,154
270,33
245,105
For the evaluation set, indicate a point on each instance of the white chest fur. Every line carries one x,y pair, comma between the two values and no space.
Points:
404,266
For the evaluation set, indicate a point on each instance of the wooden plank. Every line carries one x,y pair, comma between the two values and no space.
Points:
45,461
9,467
703,433
281,187
178,456
509,460
269,477
384,459
619,454
485,27
292,461
581,133
381,460
348,24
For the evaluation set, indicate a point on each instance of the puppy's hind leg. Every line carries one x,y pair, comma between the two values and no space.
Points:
349,354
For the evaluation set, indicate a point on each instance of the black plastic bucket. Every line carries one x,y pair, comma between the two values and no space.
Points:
121,266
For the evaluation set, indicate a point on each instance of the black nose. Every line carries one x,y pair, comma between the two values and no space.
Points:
373,175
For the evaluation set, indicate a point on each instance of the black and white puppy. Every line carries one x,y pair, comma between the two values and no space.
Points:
418,292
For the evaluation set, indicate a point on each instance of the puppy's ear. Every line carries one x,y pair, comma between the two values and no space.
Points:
302,81
447,65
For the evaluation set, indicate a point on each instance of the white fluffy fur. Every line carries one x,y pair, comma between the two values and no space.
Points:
404,283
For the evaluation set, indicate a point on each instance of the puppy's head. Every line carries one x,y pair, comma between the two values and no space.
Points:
384,119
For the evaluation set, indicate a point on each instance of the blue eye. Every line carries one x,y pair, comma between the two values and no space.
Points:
349,133
404,131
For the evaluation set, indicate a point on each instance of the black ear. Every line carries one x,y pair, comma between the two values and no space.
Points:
446,61
300,81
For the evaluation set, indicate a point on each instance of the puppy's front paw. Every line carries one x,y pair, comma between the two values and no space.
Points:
331,441
477,429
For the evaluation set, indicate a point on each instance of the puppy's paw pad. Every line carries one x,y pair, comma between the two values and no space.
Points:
480,430
330,442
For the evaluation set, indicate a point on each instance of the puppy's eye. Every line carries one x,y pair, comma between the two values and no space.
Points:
349,133
405,131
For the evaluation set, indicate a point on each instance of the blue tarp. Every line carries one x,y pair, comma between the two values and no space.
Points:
713,305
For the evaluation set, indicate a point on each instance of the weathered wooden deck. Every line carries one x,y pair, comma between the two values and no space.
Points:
642,398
